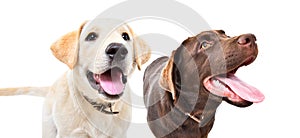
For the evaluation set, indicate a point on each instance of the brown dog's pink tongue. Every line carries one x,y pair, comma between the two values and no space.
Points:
111,82
242,89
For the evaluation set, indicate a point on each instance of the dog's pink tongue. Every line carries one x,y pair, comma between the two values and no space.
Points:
111,82
242,89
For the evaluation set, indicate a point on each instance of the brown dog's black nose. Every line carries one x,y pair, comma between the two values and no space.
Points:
246,40
116,51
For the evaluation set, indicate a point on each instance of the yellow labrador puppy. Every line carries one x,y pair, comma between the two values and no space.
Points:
92,98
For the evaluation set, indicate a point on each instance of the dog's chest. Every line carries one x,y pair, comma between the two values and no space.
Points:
72,121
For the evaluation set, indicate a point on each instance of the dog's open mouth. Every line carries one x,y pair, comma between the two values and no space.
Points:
230,86
111,83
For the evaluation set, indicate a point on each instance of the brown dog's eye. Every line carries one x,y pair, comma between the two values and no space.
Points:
205,45
125,36
91,37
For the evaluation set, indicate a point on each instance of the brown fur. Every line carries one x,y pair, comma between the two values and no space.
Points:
173,87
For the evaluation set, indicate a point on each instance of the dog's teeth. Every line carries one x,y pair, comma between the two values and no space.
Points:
222,86
218,84
96,76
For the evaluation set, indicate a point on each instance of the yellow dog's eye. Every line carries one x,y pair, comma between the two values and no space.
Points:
91,37
205,45
125,36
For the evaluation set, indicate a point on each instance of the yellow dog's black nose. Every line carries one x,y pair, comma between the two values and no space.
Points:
116,51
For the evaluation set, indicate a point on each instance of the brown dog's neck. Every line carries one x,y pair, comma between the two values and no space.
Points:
200,110
192,99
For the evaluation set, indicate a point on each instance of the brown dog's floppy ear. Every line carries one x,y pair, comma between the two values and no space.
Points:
165,80
66,48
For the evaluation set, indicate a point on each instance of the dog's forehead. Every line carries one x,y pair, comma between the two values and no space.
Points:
105,26
206,35
212,34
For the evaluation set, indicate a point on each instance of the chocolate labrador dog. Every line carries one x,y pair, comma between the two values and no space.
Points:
182,92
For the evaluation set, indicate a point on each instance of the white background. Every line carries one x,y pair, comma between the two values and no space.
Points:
28,28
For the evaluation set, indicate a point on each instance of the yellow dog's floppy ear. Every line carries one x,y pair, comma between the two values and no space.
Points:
165,80
66,48
142,52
